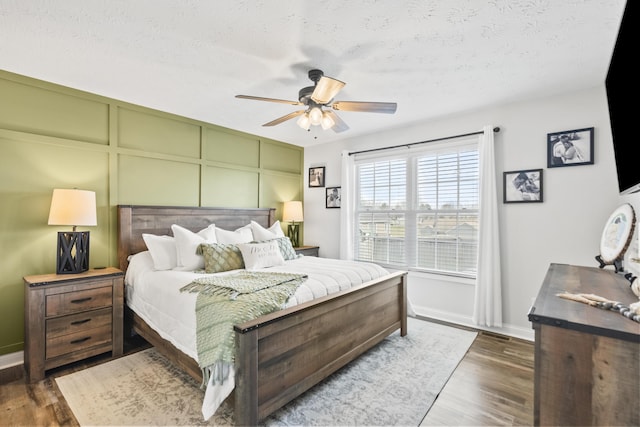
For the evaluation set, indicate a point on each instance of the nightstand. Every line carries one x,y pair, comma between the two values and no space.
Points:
307,250
69,317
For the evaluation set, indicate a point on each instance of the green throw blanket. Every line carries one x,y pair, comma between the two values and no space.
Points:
224,301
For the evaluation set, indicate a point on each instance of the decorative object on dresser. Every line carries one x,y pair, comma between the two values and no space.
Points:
307,250
587,361
292,213
616,237
523,186
631,311
570,148
71,317
72,207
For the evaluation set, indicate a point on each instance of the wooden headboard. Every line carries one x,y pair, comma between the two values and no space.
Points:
133,221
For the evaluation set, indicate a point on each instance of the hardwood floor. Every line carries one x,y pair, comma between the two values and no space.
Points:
41,403
492,386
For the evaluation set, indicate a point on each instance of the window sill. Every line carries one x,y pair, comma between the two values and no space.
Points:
443,277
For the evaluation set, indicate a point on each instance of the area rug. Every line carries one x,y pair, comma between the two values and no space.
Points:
395,383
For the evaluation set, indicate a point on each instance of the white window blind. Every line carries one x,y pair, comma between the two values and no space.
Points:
381,211
419,209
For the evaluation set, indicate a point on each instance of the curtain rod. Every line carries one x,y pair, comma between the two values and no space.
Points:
495,129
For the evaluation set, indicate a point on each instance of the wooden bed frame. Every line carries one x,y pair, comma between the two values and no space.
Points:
280,355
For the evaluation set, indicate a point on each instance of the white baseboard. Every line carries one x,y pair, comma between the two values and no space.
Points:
509,330
11,359
17,358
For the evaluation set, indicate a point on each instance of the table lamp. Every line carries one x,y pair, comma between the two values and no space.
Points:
73,207
293,214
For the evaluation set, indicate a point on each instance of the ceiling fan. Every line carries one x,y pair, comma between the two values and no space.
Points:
321,95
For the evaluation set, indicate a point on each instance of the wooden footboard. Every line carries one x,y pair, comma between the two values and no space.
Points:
281,355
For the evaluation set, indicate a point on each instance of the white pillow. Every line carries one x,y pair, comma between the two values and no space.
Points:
139,263
209,233
261,255
261,233
162,250
241,235
186,244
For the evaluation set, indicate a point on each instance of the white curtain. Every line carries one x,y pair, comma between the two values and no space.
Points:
347,206
487,306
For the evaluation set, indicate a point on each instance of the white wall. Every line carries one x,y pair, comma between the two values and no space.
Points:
565,228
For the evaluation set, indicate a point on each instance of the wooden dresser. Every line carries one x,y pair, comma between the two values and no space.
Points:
587,360
69,317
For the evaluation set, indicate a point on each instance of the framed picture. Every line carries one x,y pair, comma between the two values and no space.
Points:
333,197
316,177
523,186
570,148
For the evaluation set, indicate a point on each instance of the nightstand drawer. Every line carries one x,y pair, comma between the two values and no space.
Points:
72,302
78,322
78,341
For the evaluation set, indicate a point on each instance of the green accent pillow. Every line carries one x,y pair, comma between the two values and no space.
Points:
220,257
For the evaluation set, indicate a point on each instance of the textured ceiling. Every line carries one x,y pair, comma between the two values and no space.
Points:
191,57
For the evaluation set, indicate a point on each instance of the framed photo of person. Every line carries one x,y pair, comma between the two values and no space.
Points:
316,176
523,186
333,197
570,148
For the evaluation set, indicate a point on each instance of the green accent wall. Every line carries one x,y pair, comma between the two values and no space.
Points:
53,136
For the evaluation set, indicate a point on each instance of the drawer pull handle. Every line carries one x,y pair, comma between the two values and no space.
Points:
81,300
80,322
78,341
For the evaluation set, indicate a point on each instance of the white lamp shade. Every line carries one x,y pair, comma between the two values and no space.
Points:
304,121
73,207
315,116
292,211
327,121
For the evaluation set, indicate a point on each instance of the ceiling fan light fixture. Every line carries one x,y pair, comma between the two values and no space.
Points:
304,121
315,115
327,121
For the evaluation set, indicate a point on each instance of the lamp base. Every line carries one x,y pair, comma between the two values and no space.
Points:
73,252
293,230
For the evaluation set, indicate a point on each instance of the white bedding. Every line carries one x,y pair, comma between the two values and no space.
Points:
155,296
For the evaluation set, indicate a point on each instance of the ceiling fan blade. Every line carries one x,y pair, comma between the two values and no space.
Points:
367,107
339,124
326,89
284,118
258,98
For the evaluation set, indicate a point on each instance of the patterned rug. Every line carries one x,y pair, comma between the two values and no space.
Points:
395,383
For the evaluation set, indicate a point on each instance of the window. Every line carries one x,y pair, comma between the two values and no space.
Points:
419,210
